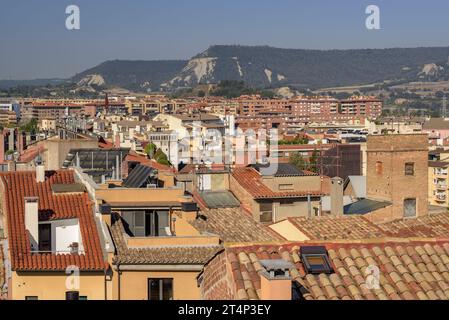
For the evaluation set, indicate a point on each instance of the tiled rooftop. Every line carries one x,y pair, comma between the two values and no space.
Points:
432,225
352,227
170,254
337,227
134,157
251,181
233,225
19,185
408,271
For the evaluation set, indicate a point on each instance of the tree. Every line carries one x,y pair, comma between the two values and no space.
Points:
150,149
313,161
161,157
31,126
297,160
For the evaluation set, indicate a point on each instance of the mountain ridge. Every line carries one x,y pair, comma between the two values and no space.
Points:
271,67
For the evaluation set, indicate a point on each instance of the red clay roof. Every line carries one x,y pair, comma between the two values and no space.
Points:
251,181
17,186
134,157
409,270
31,153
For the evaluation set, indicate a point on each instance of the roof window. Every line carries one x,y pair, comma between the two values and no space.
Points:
315,260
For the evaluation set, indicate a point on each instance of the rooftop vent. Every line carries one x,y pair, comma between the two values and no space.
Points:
277,268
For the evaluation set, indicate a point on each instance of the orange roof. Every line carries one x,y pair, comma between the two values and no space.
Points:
132,156
250,180
19,185
31,153
409,270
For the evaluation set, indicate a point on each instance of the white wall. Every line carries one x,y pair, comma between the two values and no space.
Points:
63,233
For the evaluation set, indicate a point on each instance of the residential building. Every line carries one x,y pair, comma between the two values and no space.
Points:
273,197
438,183
159,254
52,234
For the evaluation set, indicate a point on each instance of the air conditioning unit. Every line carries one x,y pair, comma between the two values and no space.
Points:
189,206
105,209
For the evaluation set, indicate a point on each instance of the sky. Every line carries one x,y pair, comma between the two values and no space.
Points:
36,44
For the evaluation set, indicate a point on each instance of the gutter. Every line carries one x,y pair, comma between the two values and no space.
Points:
157,267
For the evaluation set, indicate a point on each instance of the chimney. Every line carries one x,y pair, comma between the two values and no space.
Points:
40,170
117,140
275,280
32,221
337,196
19,142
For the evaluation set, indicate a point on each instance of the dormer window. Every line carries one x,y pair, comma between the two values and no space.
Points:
315,260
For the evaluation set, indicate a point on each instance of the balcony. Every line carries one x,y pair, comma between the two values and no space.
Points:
441,186
440,197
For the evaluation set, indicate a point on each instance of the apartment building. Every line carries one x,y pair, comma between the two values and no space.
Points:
55,248
158,253
438,183
8,118
48,110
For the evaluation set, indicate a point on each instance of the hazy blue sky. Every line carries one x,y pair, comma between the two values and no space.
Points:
36,44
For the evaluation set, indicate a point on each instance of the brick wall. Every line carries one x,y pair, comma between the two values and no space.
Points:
245,198
386,178
216,283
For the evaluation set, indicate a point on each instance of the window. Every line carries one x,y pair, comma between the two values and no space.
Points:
409,169
160,289
315,260
409,208
45,237
286,187
83,298
150,223
31,298
266,212
379,167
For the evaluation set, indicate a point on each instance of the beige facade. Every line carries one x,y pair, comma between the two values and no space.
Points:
438,184
134,283
56,150
54,285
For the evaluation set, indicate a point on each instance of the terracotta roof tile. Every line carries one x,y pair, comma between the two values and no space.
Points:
400,278
337,227
175,254
432,225
250,179
234,225
17,186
